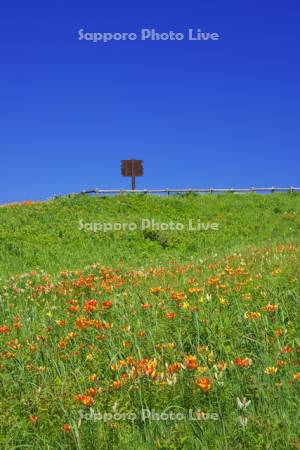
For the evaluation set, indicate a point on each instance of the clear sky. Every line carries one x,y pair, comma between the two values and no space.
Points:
200,114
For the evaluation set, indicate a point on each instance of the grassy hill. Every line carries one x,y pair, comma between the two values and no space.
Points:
150,338
48,235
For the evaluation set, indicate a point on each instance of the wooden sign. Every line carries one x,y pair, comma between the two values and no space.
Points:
132,168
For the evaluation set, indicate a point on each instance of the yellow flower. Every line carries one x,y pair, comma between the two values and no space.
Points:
224,302
185,305
202,369
202,349
211,357
271,370
297,376
276,272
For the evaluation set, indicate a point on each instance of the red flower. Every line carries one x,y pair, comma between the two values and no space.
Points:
107,305
86,400
170,315
67,428
33,419
286,349
243,362
191,362
90,305
4,329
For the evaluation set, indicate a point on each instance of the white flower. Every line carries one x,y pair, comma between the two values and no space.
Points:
243,404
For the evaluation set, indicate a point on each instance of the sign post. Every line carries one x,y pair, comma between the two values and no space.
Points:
132,168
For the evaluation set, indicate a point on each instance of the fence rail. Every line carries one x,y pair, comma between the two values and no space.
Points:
204,191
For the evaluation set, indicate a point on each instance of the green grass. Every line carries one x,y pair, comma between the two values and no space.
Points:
47,235
224,299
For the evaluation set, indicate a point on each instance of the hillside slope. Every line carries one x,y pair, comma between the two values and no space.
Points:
150,339
48,235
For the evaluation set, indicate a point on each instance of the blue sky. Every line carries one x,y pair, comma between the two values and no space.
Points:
200,114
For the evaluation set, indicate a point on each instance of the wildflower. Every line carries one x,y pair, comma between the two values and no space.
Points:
178,296
146,305
33,419
100,337
170,315
185,305
86,400
222,301
271,370
107,305
243,404
74,308
90,305
202,349
14,344
4,329
202,369
191,362
171,380
92,377
155,290
146,367
213,281
276,272
17,323
82,323
195,290
252,315
247,297
175,367
222,365
204,383
297,376
92,391
286,349
67,428
278,332
62,344
72,335
270,308
116,385
243,362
